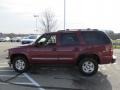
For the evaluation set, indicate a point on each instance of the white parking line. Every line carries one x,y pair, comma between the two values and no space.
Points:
3,63
10,76
24,83
25,75
4,66
6,70
19,83
102,68
33,81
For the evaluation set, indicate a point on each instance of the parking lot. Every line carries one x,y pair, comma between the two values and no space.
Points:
58,78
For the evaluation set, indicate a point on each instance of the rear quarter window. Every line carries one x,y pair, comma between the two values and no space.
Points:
95,37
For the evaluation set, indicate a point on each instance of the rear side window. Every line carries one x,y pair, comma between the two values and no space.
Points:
95,38
69,39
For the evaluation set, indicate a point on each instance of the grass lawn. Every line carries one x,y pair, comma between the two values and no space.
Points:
116,46
115,41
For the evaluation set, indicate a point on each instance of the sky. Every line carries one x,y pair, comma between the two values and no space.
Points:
17,16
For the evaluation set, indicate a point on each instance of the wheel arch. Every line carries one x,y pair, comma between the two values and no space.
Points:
94,56
18,54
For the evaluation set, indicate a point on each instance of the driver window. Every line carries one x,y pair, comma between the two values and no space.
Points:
47,40
51,40
42,40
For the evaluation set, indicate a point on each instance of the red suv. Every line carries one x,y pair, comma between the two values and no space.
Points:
85,49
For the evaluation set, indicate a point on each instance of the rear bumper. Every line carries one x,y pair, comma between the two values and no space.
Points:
7,58
113,59
108,59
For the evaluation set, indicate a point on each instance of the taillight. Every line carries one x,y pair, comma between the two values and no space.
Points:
109,48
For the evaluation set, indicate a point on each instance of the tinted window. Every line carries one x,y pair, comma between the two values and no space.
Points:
69,39
95,37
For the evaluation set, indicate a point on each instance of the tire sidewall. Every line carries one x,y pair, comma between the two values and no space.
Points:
82,61
25,61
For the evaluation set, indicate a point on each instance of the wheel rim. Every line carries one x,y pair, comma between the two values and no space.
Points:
20,64
88,67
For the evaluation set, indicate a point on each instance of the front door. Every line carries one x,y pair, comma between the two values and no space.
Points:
45,50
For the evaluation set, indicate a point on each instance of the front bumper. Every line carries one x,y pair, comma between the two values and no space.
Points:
10,64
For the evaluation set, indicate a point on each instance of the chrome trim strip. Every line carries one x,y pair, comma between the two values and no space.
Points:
64,50
45,58
42,50
52,58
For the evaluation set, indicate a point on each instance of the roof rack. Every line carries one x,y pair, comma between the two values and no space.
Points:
88,29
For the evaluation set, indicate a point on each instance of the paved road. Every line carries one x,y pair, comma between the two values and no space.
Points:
107,77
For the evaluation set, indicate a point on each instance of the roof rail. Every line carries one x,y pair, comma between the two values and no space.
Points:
88,29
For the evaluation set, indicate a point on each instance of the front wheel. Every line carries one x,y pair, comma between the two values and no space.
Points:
20,64
88,66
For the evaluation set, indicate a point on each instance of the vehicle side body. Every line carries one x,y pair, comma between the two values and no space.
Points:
64,54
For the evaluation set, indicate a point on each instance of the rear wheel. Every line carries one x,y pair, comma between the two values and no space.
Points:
88,66
20,64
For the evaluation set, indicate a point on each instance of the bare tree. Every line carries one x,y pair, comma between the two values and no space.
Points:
48,22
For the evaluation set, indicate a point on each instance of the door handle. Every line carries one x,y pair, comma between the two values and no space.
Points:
54,49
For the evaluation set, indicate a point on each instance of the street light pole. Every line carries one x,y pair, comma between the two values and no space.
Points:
64,14
36,16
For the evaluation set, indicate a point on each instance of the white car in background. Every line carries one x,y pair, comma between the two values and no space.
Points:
5,39
1,39
29,39
16,39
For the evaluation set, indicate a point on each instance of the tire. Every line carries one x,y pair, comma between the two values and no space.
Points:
88,66
20,64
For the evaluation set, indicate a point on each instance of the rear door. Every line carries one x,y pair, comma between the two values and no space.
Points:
68,48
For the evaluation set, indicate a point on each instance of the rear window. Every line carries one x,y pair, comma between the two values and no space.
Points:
95,38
